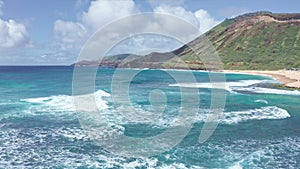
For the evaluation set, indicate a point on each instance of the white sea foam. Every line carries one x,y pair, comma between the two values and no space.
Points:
112,116
240,86
247,152
261,101
39,147
269,155
115,116
203,85
242,83
251,158
270,112
231,117
234,117
229,86
65,102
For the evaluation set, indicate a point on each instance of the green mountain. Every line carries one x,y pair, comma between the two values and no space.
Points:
260,40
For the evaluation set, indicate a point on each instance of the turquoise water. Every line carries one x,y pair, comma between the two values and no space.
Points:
39,126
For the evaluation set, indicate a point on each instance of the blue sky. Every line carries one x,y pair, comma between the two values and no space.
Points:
53,31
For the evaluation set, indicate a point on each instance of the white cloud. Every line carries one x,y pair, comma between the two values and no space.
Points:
205,20
72,35
102,12
178,12
12,34
200,18
69,35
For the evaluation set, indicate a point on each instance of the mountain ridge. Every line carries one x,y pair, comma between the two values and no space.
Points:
260,40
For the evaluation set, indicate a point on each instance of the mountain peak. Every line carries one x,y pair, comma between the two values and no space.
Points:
264,16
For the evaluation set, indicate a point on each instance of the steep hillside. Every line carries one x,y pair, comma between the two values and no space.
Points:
255,41
260,40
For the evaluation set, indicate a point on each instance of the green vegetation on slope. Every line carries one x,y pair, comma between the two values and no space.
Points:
256,41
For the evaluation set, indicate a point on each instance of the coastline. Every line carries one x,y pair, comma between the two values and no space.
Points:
288,78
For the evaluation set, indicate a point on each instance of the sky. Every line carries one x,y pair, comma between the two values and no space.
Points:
53,32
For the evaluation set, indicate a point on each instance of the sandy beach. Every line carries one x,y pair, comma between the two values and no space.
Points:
287,77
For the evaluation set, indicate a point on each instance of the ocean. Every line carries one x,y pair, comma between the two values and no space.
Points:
40,126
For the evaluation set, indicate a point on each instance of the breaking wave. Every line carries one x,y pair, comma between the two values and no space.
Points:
239,86
64,102
235,117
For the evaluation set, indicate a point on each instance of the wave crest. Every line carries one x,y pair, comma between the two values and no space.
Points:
235,117
64,102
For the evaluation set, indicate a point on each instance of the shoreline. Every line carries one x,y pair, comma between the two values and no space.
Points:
288,78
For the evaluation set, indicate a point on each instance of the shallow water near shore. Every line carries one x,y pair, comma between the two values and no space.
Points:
39,126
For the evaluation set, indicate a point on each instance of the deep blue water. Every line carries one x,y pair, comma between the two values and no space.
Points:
39,126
